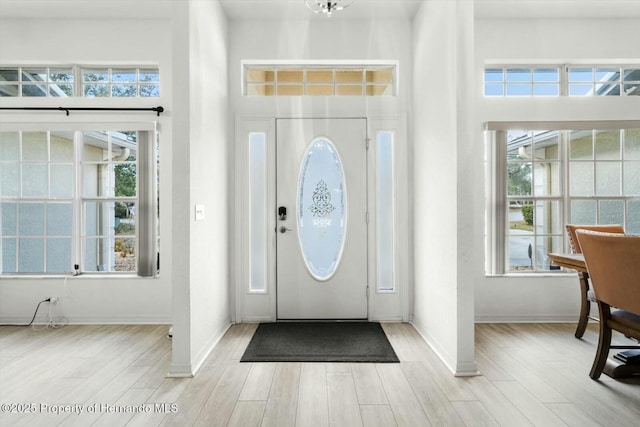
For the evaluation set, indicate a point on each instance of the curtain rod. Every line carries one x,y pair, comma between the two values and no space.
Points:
158,109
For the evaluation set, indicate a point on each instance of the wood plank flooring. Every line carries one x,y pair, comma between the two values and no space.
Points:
533,375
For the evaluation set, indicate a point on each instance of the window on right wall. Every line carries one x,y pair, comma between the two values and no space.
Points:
542,179
561,80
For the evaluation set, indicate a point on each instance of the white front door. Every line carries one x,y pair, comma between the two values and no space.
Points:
321,223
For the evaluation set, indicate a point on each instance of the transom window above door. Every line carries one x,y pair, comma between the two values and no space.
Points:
319,79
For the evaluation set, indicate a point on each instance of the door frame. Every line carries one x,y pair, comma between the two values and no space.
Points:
352,126
247,306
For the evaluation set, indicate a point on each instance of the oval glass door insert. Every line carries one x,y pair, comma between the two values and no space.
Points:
322,209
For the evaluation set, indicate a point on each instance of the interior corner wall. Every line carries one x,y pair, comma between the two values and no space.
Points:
209,171
41,40
443,284
201,276
181,360
470,186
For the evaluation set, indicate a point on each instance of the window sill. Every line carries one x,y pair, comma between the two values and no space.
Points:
90,276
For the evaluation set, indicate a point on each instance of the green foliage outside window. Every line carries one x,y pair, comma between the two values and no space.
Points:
125,180
518,178
527,214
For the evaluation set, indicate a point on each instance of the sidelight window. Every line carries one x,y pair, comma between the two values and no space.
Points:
384,210
258,211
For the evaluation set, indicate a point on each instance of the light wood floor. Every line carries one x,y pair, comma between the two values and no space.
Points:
533,375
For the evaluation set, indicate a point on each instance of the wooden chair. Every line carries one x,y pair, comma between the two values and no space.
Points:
587,296
613,262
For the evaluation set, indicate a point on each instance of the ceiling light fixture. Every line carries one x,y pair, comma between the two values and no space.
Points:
327,6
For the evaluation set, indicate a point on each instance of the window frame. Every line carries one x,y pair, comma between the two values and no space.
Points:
146,200
564,81
497,200
334,66
77,82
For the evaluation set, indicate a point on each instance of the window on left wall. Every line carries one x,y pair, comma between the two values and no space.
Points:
63,81
79,200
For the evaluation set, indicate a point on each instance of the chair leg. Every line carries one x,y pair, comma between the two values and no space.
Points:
585,307
604,342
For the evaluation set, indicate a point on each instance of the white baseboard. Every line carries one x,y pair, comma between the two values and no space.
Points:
457,369
190,370
435,346
527,319
258,319
208,348
387,319
125,320
180,371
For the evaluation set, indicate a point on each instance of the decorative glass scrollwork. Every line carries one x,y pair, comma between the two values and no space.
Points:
321,207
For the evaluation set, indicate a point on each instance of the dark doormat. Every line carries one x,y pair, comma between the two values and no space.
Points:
320,342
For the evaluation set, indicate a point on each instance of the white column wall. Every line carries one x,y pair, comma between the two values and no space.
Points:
446,166
201,276
209,171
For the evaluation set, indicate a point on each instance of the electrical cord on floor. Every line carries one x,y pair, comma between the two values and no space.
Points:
37,308
50,323
36,312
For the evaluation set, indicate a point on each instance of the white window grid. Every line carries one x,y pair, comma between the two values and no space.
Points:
522,81
79,81
78,236
45,236
561,80
21,200
37,81
357,87
603,80
120,82
499,201
109,201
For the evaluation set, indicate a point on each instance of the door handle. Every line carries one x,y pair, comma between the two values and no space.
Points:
284,229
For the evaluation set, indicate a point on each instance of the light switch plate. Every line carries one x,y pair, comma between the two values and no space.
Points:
199,212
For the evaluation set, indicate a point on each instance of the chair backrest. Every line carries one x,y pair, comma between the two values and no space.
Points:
606,228
613,262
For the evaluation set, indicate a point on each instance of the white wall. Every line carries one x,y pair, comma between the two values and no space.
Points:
200,162
333,39
556,41
40,40
447,164
190,46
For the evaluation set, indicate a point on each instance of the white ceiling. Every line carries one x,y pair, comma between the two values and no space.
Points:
296,9
398,9
560,9
86,9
